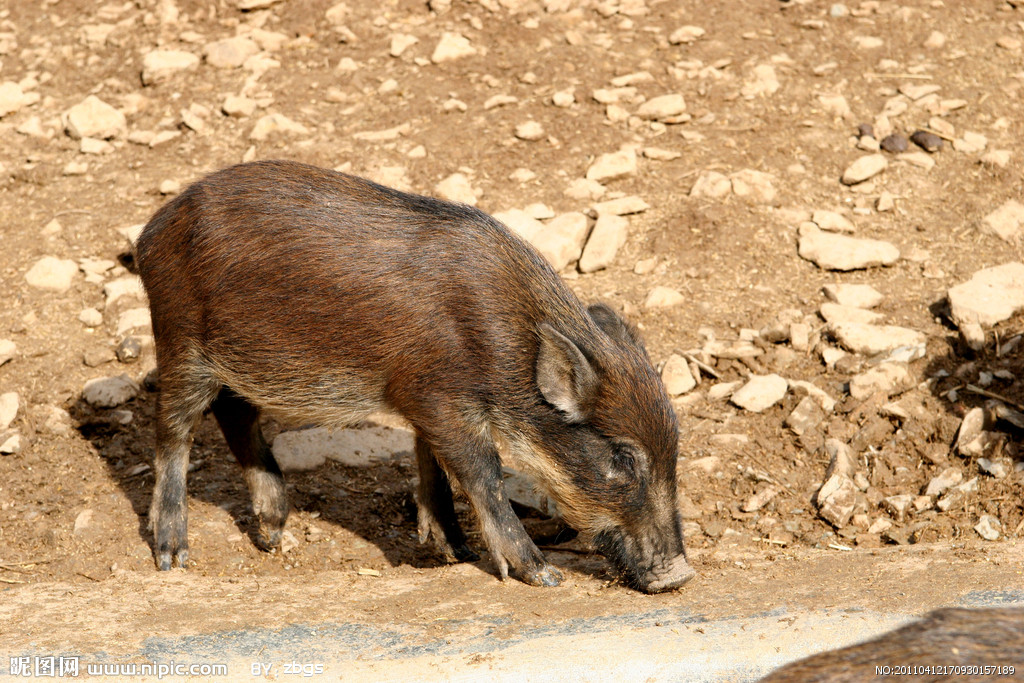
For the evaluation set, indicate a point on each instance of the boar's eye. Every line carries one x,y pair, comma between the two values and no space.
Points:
624,459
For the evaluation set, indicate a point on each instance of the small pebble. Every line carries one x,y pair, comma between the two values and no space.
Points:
129,349
894,143
929,142
865,130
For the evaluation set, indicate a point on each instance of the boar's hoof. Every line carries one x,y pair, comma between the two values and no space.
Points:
668,576
266,540
164,559
545,576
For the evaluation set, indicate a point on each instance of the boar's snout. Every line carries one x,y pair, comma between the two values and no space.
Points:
667,576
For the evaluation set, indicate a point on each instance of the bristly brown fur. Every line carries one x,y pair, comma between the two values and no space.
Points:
320,297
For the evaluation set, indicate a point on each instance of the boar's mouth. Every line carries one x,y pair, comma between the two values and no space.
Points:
660,573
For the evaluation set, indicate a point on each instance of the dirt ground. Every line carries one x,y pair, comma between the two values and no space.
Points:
734,260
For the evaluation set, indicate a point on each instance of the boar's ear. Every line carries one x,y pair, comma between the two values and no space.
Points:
564,375
613,325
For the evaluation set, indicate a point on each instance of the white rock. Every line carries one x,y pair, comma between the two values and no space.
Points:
52,273
1006,222
8,409
161,65
659,154
686,34
762,82
837,499
94,118
753,185
132,319
898,506
837,313
988,528
805,416
452,46
561,239
238,106
886,378
169,186
989,297
723,390
83,520
711,185
663,297
109,392
456,188
864,168
835,104
859,296
90,317
385,135
400,42
7,350
760,392
309,448
841,252
662,107
622,206
999,468
13,98
521,223
276,123
563,98
11,445
935,40
872,339
530,131
613,166
970,143
230,53
946,479
130,285
677,376
999,158
337,13
832,221
584,189
826,402
607,237
760,499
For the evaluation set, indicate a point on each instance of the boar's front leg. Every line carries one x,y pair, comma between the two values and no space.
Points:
473,462
436,513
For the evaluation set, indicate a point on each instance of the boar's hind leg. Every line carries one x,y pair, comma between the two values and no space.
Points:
179,406
238,420
436,513
474,462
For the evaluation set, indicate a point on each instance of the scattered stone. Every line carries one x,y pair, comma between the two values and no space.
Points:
645,266
82,522
992,295
584,189
760,499
90,317
52,273
98,356
13,98
659,154
450,47
109,392
886,202
677,376
894,144
277,123
169,187
760,392
663,297
308,449
133,319
998,158
836,105
10,445
988,527
826,402
832,221
1006,222
998,468
864,168
970,143
238,106
129,350
400,42
622,206
754,185
613,166
898,506
563,98
885,378
880,525
531,131
8,409
858,296
94,118
711,185
456,188
837,499
841,252
723,390
841,459
762,82
521,223
561,239
662,107
837,313
161,65
607,237
685,35
929,142
230,53
874,339
7,350
130,285
806,416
